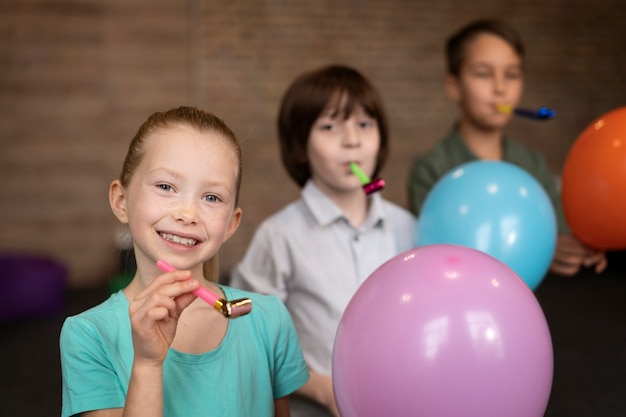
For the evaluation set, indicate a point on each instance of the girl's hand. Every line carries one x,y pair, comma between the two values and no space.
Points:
154,314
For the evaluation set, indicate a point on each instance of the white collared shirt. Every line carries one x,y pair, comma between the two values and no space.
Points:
311,257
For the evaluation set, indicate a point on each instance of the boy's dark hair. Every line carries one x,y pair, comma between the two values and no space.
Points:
456,44
308,96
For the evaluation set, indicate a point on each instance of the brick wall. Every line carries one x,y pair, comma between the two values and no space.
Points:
77,78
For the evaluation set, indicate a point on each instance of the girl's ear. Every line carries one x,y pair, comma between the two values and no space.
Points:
117,199
235,219
453,89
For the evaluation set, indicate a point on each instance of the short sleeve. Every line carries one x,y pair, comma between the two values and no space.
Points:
290,370
89,382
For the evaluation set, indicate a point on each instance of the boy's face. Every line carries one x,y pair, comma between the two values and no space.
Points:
335,142
180,201
491,74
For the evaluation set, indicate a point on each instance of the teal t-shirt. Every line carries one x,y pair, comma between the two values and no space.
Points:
258,361
452,152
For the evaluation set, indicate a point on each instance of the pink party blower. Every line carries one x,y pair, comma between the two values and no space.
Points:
369,186
229,309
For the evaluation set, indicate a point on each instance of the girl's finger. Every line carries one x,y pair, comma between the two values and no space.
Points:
171,284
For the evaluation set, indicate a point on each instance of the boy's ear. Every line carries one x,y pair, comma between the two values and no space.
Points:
233,224
117,200
453,90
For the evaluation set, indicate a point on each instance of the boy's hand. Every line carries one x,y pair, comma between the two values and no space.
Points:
571,254
154,314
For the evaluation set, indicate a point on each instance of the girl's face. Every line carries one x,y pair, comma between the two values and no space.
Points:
334,143
180,201
491,74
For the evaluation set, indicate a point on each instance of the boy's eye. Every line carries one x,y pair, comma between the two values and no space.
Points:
513,75
165,187
211,198
367,123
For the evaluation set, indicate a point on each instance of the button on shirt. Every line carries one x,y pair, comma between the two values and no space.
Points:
311,257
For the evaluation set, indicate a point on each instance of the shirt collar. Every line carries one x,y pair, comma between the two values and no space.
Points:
325,211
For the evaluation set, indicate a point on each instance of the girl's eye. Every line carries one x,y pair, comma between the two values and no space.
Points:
211,198
327,126
165,187
513,75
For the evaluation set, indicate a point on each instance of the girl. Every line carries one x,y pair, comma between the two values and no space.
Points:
154,349
316,252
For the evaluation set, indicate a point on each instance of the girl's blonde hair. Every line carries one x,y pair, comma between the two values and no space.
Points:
190,116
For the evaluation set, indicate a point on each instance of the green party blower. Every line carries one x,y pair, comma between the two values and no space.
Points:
369,185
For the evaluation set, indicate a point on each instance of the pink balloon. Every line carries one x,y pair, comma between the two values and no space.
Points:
443,330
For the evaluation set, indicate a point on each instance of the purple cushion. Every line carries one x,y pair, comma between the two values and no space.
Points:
30,287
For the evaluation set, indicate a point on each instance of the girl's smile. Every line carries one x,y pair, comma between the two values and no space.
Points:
179,240
180,203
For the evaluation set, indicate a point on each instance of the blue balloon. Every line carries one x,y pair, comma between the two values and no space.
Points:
497,208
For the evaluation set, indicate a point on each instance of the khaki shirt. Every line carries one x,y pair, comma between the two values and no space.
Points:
452,152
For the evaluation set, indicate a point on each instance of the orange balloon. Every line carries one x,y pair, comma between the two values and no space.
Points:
594,183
